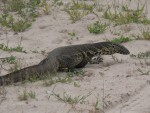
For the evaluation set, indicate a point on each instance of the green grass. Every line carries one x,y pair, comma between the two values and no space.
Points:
10,49
50,81
81,5
141,55
21,25
46,7
16,5
146,34
75,15
121,39
25,13
76,72
78,9
32,94
72,33
97,27
10,60
6,20
66,98
126,15
26,95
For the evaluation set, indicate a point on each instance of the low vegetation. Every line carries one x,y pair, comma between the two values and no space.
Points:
97,27
26,95
53,80
121,39
72,33
66,98
10,49
78,9
25,13
141,55
10,60
146,34
124,15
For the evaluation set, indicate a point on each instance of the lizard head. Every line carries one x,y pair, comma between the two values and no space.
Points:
109,48
120,49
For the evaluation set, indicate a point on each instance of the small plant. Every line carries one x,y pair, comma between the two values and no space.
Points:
76,72
76,84
72,33
3,94
97,27
127,15
26,11
81,5
121,39
32,94
6,20
46,6
141,55
146,34
75,15
26,95
33,78
11,60
35,51
78,9
21,25
143,72
10,49
52,81
98,107
16,5
15,67
69,99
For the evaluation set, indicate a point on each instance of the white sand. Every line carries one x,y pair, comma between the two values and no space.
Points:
119,87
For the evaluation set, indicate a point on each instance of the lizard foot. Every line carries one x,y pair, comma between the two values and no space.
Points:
96,60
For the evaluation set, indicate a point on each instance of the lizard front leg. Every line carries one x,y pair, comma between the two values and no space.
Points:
86,58
96,59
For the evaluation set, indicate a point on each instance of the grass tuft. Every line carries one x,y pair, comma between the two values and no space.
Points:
10,60
146,34
126,15
141,55
97,27
121,39
69,99
78,9
26,95
10,49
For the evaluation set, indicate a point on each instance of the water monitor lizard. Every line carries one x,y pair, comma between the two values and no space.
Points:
70,57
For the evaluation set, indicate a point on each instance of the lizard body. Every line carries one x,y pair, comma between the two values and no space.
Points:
69,57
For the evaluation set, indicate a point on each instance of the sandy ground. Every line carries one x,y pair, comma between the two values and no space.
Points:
116,87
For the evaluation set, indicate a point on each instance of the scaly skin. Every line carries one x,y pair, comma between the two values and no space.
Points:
67,57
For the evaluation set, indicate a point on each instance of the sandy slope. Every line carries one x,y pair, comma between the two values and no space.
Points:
118,87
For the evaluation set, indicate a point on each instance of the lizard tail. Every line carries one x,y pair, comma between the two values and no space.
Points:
109,48
35,71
